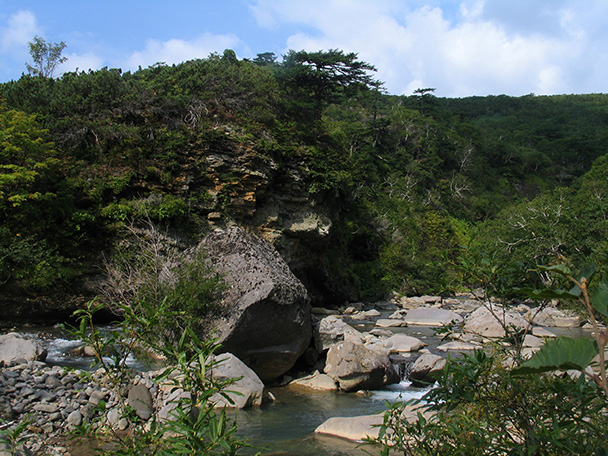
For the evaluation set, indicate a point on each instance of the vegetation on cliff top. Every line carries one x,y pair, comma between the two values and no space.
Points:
412,182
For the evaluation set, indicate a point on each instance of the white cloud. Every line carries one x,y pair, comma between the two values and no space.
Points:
476,47
82,62
176,50
20,29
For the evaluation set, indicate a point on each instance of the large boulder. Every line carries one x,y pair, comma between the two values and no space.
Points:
356,428
355,366
360,428
140,400
491,323
265,320
244,392
16,347
426,369
316,381
552,317
400,343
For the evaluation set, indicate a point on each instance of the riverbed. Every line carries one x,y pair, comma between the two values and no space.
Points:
283,427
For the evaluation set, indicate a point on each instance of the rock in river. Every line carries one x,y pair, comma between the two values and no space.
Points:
266,320
355,366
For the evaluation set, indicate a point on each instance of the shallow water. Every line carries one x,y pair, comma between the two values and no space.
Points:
287,426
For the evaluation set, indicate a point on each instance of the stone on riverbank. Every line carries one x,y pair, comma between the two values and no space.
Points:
430,316
266,311
390,323
426,369
356,428
400,343
15,347
140,399
331,330
552,317
458,345
245,392
316,381
359,428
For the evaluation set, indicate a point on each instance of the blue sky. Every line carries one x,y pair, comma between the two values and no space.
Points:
460,47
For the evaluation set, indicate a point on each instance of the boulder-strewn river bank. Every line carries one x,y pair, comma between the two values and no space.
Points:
58,398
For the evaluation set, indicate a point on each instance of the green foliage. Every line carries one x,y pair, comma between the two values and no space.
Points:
478,408
562,353
12,436
195,426
575,354
422,173
321,78
149,270
39,236
156,207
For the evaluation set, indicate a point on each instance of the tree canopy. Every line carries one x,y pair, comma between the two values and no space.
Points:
408,186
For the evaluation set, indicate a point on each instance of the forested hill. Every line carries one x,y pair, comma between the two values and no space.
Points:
362,192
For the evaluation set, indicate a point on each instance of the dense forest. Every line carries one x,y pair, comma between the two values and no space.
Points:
416,187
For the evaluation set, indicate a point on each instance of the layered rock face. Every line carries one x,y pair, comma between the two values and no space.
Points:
265,318
274,203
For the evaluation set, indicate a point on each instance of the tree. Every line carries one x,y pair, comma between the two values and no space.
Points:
265,59
325,76
46,57
423,95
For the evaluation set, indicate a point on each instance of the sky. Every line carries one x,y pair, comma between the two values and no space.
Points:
459,47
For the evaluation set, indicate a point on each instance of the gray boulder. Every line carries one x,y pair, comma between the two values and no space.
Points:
355,428
426,369
431,316
331,330
400,343
486,323
355,366
316,381
245,392
15,347
552,317
266,310
140,399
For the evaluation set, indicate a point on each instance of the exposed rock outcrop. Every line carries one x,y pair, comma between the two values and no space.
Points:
266,310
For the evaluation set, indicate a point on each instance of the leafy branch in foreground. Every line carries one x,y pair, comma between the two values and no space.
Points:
194,425
482,406
567,353
154,290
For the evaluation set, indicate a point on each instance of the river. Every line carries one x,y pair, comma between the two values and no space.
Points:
284,427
